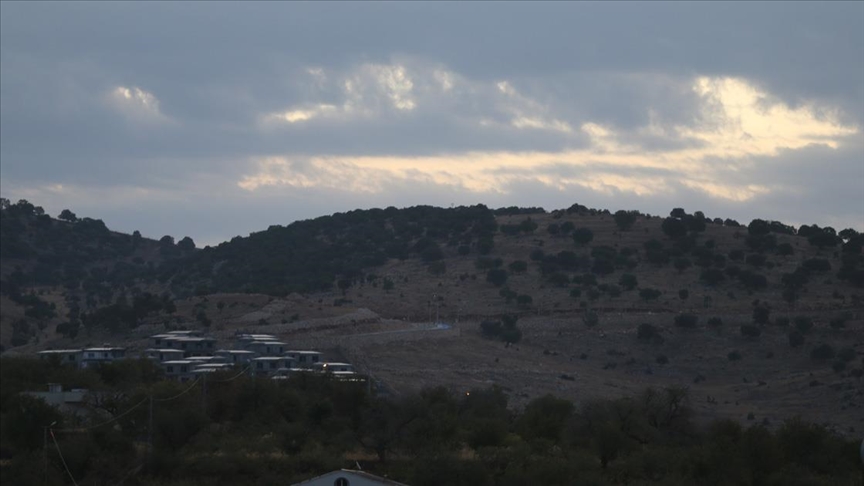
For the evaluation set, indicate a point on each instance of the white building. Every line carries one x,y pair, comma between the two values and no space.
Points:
304,359
167,354
238,356
64,356
267,348
96,356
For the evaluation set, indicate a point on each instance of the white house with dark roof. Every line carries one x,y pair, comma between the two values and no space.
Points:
238,356
96,356
267,348
304,359
167,354
70,357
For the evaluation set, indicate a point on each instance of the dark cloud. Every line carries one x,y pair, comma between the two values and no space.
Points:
217,69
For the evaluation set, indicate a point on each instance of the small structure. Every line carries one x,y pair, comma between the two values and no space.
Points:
71,401
238,356
271,365
267,348
178,369
164,354
304,359
334,367
347,477
64,356
96,356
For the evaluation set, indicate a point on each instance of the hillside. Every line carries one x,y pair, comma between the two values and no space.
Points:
595,303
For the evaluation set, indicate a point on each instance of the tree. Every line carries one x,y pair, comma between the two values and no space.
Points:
712,276
628,281
686,320
518,266
761,315
625,219
674,228
582,236
682,263
67,215
496,276
186,244
649,294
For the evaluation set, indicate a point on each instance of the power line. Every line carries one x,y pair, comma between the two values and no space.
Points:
127,412
238,375
179,394
61,457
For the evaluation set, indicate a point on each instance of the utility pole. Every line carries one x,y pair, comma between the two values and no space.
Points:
45,450
204,392
150,433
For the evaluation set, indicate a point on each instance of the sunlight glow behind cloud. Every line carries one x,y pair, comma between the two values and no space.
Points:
736,123
136,103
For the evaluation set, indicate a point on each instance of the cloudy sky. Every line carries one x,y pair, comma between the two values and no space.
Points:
216,119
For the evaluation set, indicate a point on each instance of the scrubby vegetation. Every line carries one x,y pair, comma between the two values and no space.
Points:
245,430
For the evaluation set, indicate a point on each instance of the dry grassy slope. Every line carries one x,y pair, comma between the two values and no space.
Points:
474,297
549,358
772,388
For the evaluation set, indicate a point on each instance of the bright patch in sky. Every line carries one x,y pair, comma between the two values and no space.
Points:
136,103
736,122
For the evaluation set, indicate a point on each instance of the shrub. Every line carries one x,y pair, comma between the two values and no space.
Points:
761,314
496,276
734,356
846,354
686,320
590,318
795,339
490,328
649,294
683,294
749,330
822,352
518,266
715,322
662,359
781,321
647,332
628,281
803,324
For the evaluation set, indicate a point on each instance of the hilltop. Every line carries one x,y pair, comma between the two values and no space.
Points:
761,320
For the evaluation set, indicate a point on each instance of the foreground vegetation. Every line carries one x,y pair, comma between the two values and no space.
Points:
239,430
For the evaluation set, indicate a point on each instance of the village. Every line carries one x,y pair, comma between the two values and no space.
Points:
186,355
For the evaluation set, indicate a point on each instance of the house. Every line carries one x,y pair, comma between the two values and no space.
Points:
267,348
304,359
238,356
191,346
63,356
164,354
178,369
348,477
271,365
96,356
70,401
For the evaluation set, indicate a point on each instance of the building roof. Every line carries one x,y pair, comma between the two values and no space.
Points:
302,352
348,473
59,351
234,351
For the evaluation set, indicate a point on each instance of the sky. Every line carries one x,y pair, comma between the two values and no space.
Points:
213,120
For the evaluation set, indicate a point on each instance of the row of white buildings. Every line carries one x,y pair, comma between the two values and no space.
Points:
187,355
